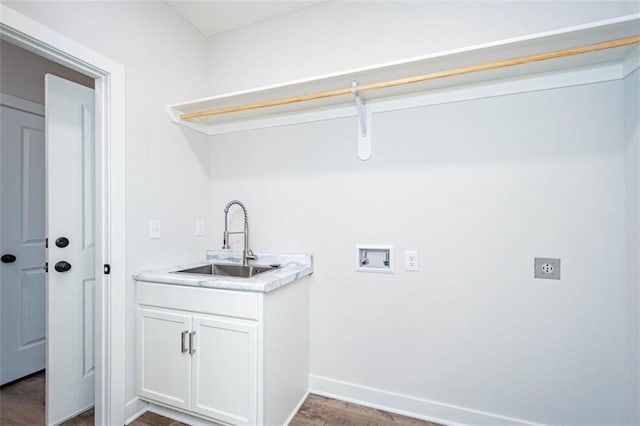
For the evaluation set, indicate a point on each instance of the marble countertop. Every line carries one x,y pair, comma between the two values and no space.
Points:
293,267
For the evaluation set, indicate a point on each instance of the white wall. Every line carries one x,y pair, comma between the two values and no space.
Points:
479,188
22,73
167,168
632,145
336,36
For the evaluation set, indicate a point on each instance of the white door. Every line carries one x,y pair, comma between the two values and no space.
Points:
164,362
225,369
22,237
69,112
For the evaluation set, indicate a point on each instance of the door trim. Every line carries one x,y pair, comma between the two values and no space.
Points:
21,104
110,193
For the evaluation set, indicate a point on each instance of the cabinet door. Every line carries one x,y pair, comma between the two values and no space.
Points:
164,363
225,369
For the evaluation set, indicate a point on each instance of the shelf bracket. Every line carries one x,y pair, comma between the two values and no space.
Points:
364,123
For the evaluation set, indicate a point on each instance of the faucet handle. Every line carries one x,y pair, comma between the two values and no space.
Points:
251,255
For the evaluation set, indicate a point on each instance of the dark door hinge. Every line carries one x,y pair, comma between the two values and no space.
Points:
46,243
107,269
46,266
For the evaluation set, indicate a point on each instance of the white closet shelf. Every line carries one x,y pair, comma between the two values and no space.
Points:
541,43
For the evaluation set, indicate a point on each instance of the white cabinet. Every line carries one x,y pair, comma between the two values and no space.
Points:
224,369
165,374
204,364
230,357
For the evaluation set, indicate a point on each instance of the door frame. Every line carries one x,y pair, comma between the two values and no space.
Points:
110,198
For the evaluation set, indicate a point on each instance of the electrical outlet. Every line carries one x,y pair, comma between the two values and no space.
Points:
199,227
411,261
154,229
546,268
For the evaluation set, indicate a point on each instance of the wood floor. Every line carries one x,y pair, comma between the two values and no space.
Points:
22,404
320,411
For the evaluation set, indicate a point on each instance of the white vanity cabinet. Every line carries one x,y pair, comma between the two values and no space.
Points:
230,357
204,364
224,371
165,370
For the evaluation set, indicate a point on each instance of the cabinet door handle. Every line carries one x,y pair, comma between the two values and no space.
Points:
192,349
183,341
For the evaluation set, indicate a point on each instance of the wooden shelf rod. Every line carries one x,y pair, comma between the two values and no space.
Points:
571,51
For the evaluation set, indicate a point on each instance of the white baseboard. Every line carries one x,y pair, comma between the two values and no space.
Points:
137,407
411,406
134,409
408,405
297,407
179,416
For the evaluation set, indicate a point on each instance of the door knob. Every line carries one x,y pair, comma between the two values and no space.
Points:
62,266
8,258
62,242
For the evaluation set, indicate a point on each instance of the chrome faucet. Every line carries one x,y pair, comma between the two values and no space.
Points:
247,253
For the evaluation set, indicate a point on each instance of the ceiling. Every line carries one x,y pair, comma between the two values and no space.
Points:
215,16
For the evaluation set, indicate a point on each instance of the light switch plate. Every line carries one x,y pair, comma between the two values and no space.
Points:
547,268
154,229
199,227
